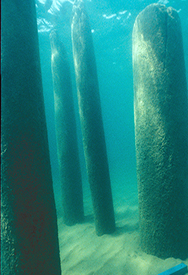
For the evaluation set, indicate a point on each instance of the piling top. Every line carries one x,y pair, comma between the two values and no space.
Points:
151,13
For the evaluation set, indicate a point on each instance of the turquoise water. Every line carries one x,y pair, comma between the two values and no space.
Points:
111,24
82,252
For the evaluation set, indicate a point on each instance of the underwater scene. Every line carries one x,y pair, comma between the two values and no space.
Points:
95,147
111,23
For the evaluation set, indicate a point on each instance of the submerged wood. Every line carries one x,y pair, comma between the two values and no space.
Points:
161,131
91,121
29,237
66,135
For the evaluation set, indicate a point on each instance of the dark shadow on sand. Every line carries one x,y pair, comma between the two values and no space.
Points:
120,230
89,219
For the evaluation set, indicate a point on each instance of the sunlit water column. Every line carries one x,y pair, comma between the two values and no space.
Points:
66,135
161,131
91,121
29,243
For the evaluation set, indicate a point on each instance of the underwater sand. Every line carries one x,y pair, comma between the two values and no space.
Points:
82,252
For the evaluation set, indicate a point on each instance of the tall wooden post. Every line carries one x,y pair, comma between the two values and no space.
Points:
91,121
29,243
66,135
161,130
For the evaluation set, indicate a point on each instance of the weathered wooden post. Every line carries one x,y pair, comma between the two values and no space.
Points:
161,130
66,135
29,243
91,121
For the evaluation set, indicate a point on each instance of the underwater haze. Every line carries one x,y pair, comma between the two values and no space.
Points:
111,22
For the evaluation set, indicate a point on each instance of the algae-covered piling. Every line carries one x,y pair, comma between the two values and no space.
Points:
66,135
91,121
161,131
29,237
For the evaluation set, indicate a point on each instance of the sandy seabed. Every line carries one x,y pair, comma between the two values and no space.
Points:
82,252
